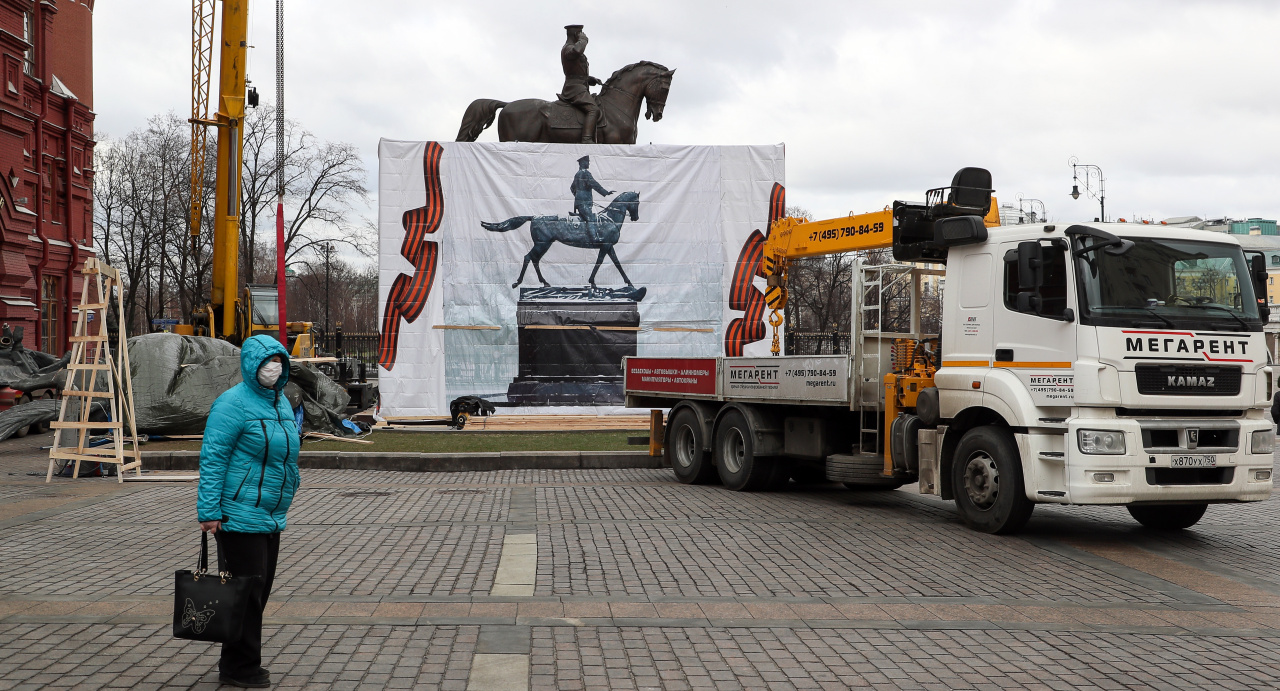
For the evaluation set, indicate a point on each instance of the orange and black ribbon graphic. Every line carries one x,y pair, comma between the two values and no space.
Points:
408,294
743,296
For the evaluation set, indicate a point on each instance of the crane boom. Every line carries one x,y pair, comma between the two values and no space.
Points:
795,238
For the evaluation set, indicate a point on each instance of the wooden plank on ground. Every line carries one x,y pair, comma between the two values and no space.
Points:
158,477
334,437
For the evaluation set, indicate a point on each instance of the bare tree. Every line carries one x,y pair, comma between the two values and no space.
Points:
329,182
142,192
324,188
142,196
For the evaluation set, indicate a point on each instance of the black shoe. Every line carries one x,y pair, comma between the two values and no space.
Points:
257,681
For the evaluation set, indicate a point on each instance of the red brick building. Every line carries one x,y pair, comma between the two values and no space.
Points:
46,164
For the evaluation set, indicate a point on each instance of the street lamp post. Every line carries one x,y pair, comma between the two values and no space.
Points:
1033,204
1090,172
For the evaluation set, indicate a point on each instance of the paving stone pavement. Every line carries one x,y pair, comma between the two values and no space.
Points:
386,580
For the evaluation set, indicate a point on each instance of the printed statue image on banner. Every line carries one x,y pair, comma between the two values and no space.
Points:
524,273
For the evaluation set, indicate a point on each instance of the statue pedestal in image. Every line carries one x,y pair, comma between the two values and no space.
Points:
571,344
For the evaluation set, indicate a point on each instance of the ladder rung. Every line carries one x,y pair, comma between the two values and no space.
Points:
126,465
93,306
89,394
87,453
55,424
90,339
88,365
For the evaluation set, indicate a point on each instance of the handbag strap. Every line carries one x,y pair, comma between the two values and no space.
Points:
222,562
202,564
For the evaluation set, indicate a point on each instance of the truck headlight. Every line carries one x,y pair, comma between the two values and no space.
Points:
1097,441
1262,441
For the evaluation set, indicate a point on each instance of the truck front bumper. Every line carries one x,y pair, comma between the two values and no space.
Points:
1165,466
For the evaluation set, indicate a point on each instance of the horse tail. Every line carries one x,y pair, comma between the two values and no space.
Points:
479,116
509,224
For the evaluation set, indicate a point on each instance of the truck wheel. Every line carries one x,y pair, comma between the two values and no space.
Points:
986,479
740,469
1169,517
684,449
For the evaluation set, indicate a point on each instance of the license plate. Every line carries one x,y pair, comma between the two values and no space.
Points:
1209,461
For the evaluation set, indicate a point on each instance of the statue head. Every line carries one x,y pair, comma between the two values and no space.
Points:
584,162
573,30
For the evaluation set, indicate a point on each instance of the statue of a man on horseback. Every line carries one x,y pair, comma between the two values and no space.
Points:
584,183
612,117
578,80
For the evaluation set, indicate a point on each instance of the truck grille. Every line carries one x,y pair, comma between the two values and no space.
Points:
1187,380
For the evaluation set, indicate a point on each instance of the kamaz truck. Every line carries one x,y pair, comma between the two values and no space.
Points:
1074,363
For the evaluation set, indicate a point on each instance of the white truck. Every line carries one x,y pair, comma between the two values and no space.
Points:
1092,363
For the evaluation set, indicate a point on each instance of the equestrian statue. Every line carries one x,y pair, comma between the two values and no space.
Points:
577,116
547,230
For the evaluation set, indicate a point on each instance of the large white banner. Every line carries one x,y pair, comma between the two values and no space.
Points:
674,237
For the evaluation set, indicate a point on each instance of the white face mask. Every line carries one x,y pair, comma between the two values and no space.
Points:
269,374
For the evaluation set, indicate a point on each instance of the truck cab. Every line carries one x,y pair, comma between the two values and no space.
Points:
1126,362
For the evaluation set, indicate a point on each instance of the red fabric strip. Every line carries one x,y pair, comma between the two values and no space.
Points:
408,295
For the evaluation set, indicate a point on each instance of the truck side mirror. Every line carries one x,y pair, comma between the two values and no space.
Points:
1027,301
1258,272
1030,266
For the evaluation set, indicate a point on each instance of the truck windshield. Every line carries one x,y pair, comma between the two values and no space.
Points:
1166,283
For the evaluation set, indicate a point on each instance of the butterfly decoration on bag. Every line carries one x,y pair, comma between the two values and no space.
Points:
193,619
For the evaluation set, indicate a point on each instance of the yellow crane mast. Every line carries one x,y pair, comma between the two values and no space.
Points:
220,315
201,69
230,118
232,313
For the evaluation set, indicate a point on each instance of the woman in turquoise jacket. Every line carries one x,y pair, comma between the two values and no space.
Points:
248,476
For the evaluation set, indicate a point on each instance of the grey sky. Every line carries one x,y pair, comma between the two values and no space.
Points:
1175,99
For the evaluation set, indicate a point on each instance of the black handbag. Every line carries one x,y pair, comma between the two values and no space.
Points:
211,608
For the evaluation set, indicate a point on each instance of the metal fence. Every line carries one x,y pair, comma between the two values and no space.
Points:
363,346
833,343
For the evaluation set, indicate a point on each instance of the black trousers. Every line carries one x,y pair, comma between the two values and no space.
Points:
248,554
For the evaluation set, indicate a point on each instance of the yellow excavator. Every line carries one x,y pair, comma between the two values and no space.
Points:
795,238
232,313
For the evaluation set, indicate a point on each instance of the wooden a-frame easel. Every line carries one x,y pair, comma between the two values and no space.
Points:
91,354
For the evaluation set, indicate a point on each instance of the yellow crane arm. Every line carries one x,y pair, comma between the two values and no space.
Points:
794,238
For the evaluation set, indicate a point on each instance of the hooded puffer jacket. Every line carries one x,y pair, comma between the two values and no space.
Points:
249,457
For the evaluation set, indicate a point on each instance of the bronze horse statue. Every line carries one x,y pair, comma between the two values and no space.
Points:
536,120
547,230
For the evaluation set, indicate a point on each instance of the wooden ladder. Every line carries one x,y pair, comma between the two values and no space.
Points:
90,355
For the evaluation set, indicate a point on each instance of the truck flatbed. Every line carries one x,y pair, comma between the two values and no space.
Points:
799,379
